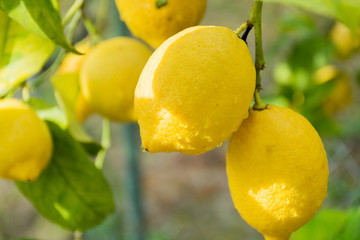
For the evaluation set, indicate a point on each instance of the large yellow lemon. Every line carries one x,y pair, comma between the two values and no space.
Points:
277,170
109,76
194,91
25,142
155,25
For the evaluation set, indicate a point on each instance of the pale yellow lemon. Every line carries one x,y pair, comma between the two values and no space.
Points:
154,25
346,42
194,91
72,64
277,170
340,96
25,142
82,108
109,76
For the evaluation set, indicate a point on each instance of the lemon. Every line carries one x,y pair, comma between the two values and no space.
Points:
345,42
277,170
154,25
25,142
325,74
194,91
340,96
72,64
82,108
109,76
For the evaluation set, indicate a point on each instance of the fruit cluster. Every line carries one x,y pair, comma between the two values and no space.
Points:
190,95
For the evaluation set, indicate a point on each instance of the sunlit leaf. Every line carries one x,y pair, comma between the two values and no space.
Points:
66,87
346,11
352,229
325,225
71,191
22,54
41,17
331,224
48,112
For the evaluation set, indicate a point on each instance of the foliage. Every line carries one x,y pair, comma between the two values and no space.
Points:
72,192
22,54
347,11
332,224
63,194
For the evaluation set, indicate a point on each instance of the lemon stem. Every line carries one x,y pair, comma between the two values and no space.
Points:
78,235
91,29
78,4
255,22
105,143
259,105
241,28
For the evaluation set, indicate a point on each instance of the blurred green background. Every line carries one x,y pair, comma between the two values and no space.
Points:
187,197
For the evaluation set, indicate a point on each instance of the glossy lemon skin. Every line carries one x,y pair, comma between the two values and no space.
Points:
194,91
109,76
155,25
277,170
25,142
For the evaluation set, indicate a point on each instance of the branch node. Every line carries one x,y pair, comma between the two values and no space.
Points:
262,66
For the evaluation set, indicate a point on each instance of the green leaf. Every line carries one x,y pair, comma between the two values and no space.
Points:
346,11
41,17
67,89
54,114
352,230
92,148
358,77
324,226
48,112
71,191
26,239
22,54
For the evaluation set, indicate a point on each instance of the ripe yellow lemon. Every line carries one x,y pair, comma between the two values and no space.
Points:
154,25
73,62
277,170
109,76
345,42
25,142
194,91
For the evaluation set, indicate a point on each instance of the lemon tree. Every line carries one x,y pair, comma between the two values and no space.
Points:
197,88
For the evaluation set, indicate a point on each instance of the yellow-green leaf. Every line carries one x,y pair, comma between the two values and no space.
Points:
22,54
71,191
67,89
346,11
40,17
